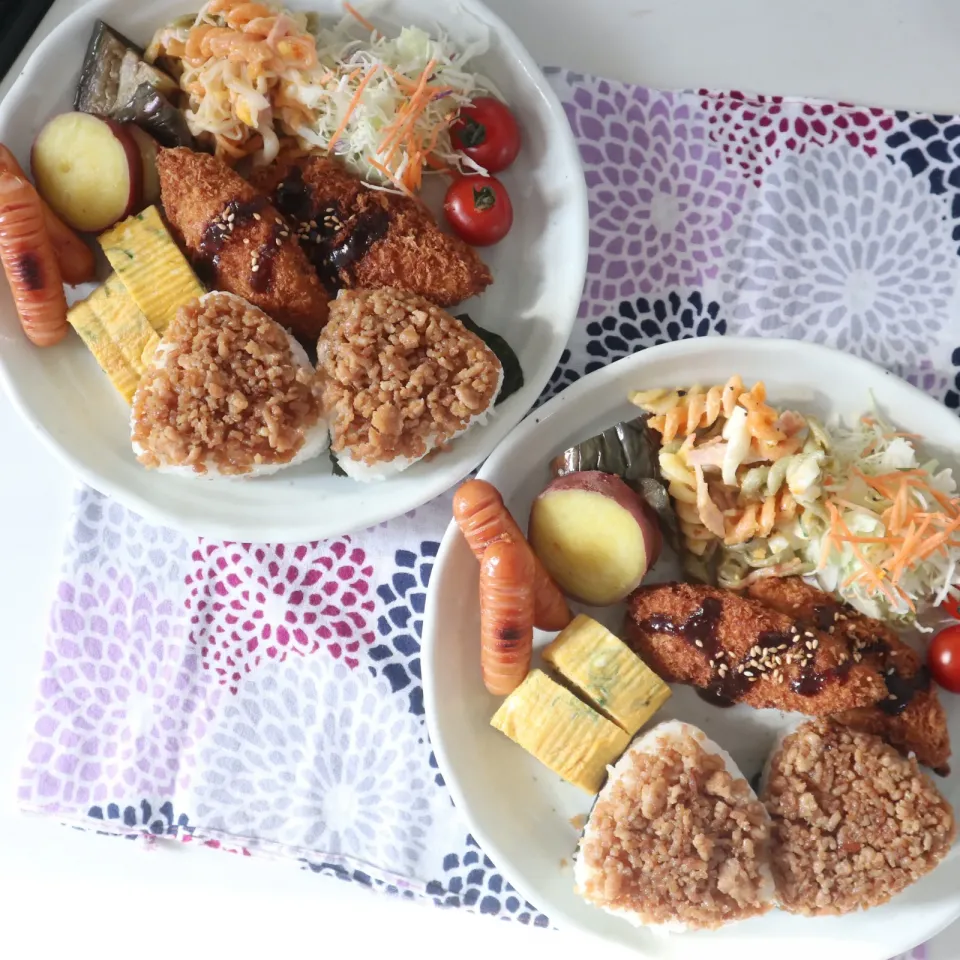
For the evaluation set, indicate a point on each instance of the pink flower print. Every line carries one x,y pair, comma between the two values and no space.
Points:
250,601
661,198
753,131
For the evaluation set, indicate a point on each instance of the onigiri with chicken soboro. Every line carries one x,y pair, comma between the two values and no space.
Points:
399,378
228,393
677,839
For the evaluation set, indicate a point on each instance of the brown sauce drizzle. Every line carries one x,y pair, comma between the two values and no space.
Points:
729,681
319,229
901,689
811,681
235,214
825,615
728,684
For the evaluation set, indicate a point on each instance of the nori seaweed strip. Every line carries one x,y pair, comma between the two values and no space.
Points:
512,371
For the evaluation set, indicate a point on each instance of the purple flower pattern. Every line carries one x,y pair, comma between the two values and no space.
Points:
122,698
844,249
661,197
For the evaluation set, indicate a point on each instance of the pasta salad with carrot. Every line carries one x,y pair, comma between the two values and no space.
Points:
762,492
258,78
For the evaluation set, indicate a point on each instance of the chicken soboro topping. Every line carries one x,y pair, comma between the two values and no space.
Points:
678,839
400,375
853,821
224,392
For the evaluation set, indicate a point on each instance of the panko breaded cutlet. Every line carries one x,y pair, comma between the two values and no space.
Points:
738,650
911,716
238,240
357,237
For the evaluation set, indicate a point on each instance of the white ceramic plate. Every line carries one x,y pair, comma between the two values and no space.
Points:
518,810
538,272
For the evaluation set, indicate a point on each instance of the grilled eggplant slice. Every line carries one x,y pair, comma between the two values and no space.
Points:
100,76
117,82
135,72
151,110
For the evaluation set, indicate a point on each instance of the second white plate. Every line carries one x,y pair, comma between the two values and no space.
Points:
518,810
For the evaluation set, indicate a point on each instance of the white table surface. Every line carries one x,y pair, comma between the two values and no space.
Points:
67,894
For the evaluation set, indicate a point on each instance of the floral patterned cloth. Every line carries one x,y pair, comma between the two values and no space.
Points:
266,698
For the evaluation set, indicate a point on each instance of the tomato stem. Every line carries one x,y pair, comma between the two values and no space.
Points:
472,133
484,198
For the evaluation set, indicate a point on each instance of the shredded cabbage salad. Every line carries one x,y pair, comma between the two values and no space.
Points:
255,75
886,534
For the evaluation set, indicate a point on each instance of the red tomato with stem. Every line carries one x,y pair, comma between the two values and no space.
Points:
943,658
487,132
479,209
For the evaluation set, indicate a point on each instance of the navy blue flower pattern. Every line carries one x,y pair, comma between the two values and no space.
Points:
143,819
638,324
930,147
401,627
646,323
952,397
471,880
357,876
561,378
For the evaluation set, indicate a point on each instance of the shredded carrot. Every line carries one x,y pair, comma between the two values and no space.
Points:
390,176
400,79
914,533
351,107
359,17
408,114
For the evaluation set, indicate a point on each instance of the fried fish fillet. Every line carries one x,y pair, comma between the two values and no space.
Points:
910,716
738,650
238,241
358,237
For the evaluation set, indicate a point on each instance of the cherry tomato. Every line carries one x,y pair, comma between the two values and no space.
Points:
951,607
487,133
479,209
943,658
